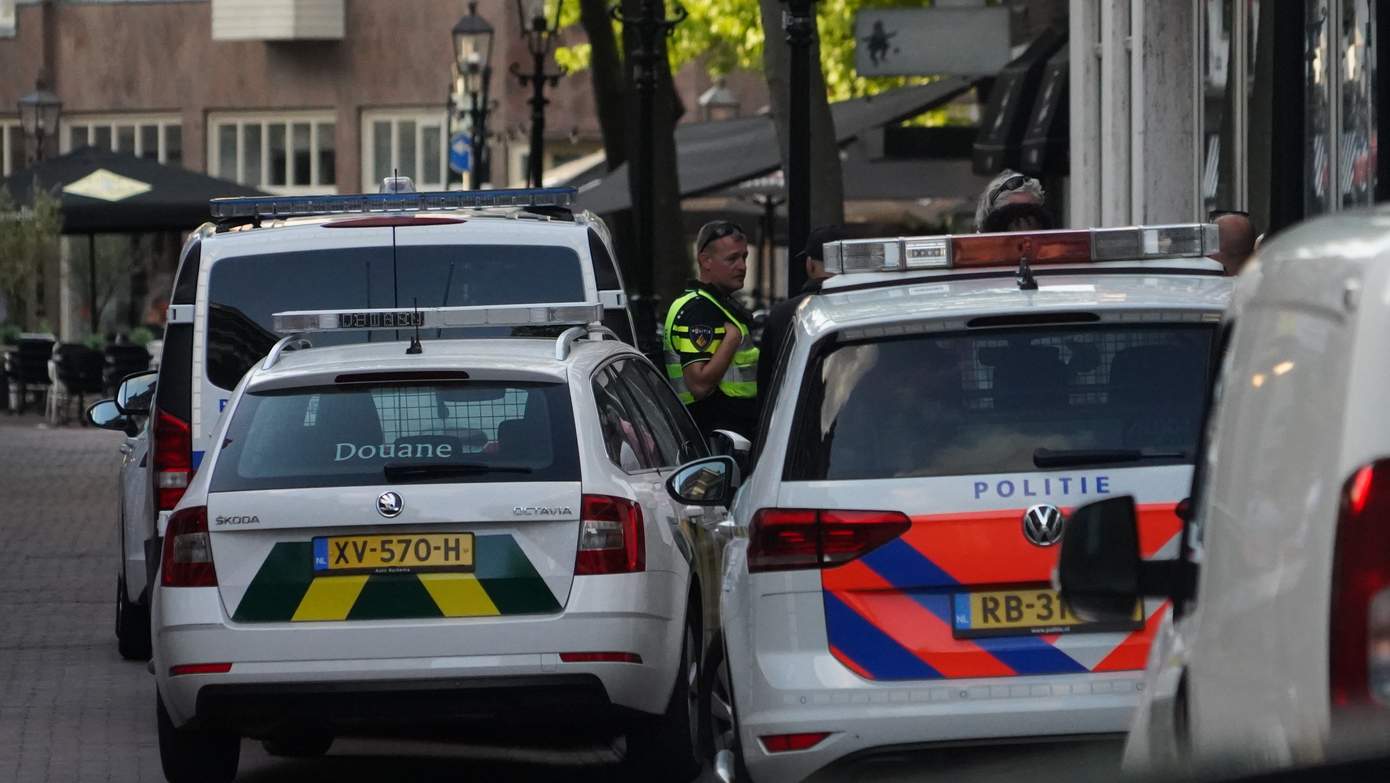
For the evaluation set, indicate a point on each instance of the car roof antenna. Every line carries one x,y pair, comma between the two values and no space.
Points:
1024,276
415,347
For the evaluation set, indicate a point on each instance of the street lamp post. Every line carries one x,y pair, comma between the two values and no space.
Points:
38,114
800,27
650,23
540,37
473,64
718,102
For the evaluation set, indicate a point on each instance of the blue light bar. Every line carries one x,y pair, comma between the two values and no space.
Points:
271,207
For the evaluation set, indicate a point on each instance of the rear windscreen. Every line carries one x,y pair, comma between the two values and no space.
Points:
475,431
1001,401
244,291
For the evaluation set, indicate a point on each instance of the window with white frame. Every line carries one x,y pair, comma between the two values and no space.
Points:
294,152
411,142
157,137
11,147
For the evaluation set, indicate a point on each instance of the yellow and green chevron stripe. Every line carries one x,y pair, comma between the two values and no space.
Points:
285,589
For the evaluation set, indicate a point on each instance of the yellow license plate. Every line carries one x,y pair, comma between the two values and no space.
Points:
398,552
1024,612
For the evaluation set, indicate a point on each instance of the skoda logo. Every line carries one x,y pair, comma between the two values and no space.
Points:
389,504
1042,525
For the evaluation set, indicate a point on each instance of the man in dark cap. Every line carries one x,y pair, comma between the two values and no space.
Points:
779,319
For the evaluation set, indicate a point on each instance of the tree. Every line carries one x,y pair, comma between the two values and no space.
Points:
28,242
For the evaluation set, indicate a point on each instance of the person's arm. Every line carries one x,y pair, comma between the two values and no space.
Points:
702,378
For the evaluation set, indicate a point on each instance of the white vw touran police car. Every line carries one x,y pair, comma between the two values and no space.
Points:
940,409
1278,651
459,532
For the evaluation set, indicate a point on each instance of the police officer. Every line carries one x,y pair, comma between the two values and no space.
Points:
710,358
779,318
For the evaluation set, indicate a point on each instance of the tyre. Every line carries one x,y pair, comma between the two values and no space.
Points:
195,755
300,746
132,625
719,729
666,747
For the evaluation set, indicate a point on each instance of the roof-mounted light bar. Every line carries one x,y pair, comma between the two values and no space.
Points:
910,254
270,207
564,314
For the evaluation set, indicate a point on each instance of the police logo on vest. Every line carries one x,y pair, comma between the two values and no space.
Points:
702,336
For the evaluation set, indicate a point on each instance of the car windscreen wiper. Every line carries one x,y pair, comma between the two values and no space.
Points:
1062,458
423,471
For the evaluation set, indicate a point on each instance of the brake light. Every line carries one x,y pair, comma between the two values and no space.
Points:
781,743
187,560
610,537
173,459
787,539
199,668
1359,632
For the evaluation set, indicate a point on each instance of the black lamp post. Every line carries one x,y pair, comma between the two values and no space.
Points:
800,27
473,64
38,114
540,37
650,23
718,102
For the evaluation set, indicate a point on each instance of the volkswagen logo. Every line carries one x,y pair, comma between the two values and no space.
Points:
1042,525
389,504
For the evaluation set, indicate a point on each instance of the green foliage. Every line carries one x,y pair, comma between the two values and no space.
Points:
141,336
94,341
28,240
9,334
727,35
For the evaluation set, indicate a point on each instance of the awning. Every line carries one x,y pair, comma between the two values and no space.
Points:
715,155
102,192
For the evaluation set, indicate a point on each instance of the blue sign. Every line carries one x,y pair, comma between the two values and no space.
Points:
461,153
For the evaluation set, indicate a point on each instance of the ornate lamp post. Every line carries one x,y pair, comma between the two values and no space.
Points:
800,27
718,102
473,63
540,37
38,114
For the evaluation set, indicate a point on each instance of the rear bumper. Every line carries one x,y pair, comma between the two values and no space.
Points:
496,704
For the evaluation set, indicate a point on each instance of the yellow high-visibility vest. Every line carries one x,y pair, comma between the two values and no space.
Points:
740,380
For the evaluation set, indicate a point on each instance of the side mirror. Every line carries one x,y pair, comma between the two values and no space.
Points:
728,443
1099,572
108,416
705,482
136,393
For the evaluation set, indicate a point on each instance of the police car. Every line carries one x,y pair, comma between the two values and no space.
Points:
1278,652
939,410
395,248
471,533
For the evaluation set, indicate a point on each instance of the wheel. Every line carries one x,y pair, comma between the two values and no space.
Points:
720,727
132,625
195,755
666,747
299,746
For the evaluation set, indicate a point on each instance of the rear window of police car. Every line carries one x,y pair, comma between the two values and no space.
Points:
244,291
350,435
1001,401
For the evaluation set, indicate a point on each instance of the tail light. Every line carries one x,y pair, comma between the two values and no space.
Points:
173,458
610,537
1359,634
787,539
781,743
187,558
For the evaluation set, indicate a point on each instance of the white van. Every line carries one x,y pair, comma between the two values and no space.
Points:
1278,650
391,249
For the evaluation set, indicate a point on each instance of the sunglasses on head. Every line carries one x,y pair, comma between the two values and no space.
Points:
1012,183
713,232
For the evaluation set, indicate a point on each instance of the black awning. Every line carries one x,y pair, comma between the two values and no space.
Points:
715,155
101,191
1011,99
1046,142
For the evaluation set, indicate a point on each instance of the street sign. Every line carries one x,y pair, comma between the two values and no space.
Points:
931,41
460,153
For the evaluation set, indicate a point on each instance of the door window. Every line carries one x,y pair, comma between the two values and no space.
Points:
668,441
627,440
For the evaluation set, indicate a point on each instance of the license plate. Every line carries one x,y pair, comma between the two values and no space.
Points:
409,552
1024,612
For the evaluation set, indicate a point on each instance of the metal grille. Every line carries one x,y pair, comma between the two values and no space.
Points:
411,411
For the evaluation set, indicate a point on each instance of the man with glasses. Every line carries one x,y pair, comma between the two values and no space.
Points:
710,359
1237,238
